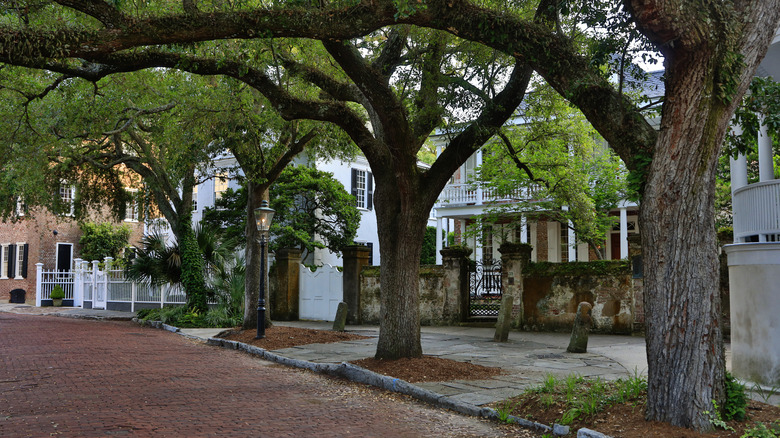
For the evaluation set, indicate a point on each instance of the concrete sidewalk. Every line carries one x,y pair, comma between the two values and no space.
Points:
526,359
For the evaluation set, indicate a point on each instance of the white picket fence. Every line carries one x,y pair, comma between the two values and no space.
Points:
320,293
89,286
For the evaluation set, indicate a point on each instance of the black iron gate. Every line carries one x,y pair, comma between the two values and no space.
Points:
485,289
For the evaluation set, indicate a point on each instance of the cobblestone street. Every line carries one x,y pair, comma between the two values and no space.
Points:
78,378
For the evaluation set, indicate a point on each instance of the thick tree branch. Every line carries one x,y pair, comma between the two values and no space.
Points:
100,10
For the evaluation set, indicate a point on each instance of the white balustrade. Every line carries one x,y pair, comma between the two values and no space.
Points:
757,211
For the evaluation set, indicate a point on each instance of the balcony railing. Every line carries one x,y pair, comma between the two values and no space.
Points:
757,212
470,194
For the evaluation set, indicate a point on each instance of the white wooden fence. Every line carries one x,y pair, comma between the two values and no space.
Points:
320,293
90,287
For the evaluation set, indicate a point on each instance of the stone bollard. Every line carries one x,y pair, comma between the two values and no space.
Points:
504,319
579,333
341,317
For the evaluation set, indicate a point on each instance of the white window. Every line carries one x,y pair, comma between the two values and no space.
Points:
4,261
220,185
362,189
131,206
19,267
67,196
21,207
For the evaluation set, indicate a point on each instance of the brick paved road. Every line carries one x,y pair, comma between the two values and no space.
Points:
76,378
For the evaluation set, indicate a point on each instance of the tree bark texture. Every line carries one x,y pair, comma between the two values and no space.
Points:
685,353
401,222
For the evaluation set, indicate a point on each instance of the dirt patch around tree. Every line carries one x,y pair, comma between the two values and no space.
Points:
278,337
627,420
428,369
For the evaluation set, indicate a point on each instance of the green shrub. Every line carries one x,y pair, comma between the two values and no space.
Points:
57,293
735,405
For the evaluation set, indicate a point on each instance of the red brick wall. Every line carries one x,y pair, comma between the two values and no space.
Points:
37,230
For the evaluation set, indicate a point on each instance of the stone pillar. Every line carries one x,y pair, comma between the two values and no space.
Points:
283,285
514,256
355,258
455,260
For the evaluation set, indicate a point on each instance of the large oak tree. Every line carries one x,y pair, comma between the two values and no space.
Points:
711,51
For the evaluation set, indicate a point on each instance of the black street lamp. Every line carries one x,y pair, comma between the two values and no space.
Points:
263,216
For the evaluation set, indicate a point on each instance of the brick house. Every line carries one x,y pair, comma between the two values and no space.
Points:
39,236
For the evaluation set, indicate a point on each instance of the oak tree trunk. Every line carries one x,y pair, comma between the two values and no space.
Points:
682,301
401,222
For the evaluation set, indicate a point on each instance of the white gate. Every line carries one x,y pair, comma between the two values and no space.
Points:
99,291
320,293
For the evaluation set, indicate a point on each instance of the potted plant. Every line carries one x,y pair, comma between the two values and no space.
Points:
57,294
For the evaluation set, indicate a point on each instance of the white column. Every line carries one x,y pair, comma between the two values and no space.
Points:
623,234
523,229
439,242
738,169
572,244
766,169
583,252
479,185
534,240
38,281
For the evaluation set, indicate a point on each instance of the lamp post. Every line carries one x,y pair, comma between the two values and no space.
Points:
263,216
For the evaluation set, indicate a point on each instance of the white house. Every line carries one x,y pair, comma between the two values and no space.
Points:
464,199
355,176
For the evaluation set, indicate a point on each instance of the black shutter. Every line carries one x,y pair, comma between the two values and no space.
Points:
370,246
353,187
11,260
24,261
369,191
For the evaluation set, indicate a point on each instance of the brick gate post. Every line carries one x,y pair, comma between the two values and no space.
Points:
456,281
514,256
355,258
284,287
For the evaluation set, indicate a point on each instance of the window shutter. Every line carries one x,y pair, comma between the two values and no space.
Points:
369,191
353,187
370,246
11,260
24,262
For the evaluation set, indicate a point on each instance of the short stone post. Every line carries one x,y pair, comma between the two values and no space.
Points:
581,329
514,256
284,287
504,319
456,282
355,258
341,317
38,284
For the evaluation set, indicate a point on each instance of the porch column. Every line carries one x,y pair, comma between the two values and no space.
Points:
534,240
738,170
583,252
438,239
766,169
623,233
523,229
572,244
479,186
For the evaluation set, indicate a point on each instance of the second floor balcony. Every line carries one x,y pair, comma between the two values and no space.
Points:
456,195
757,212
